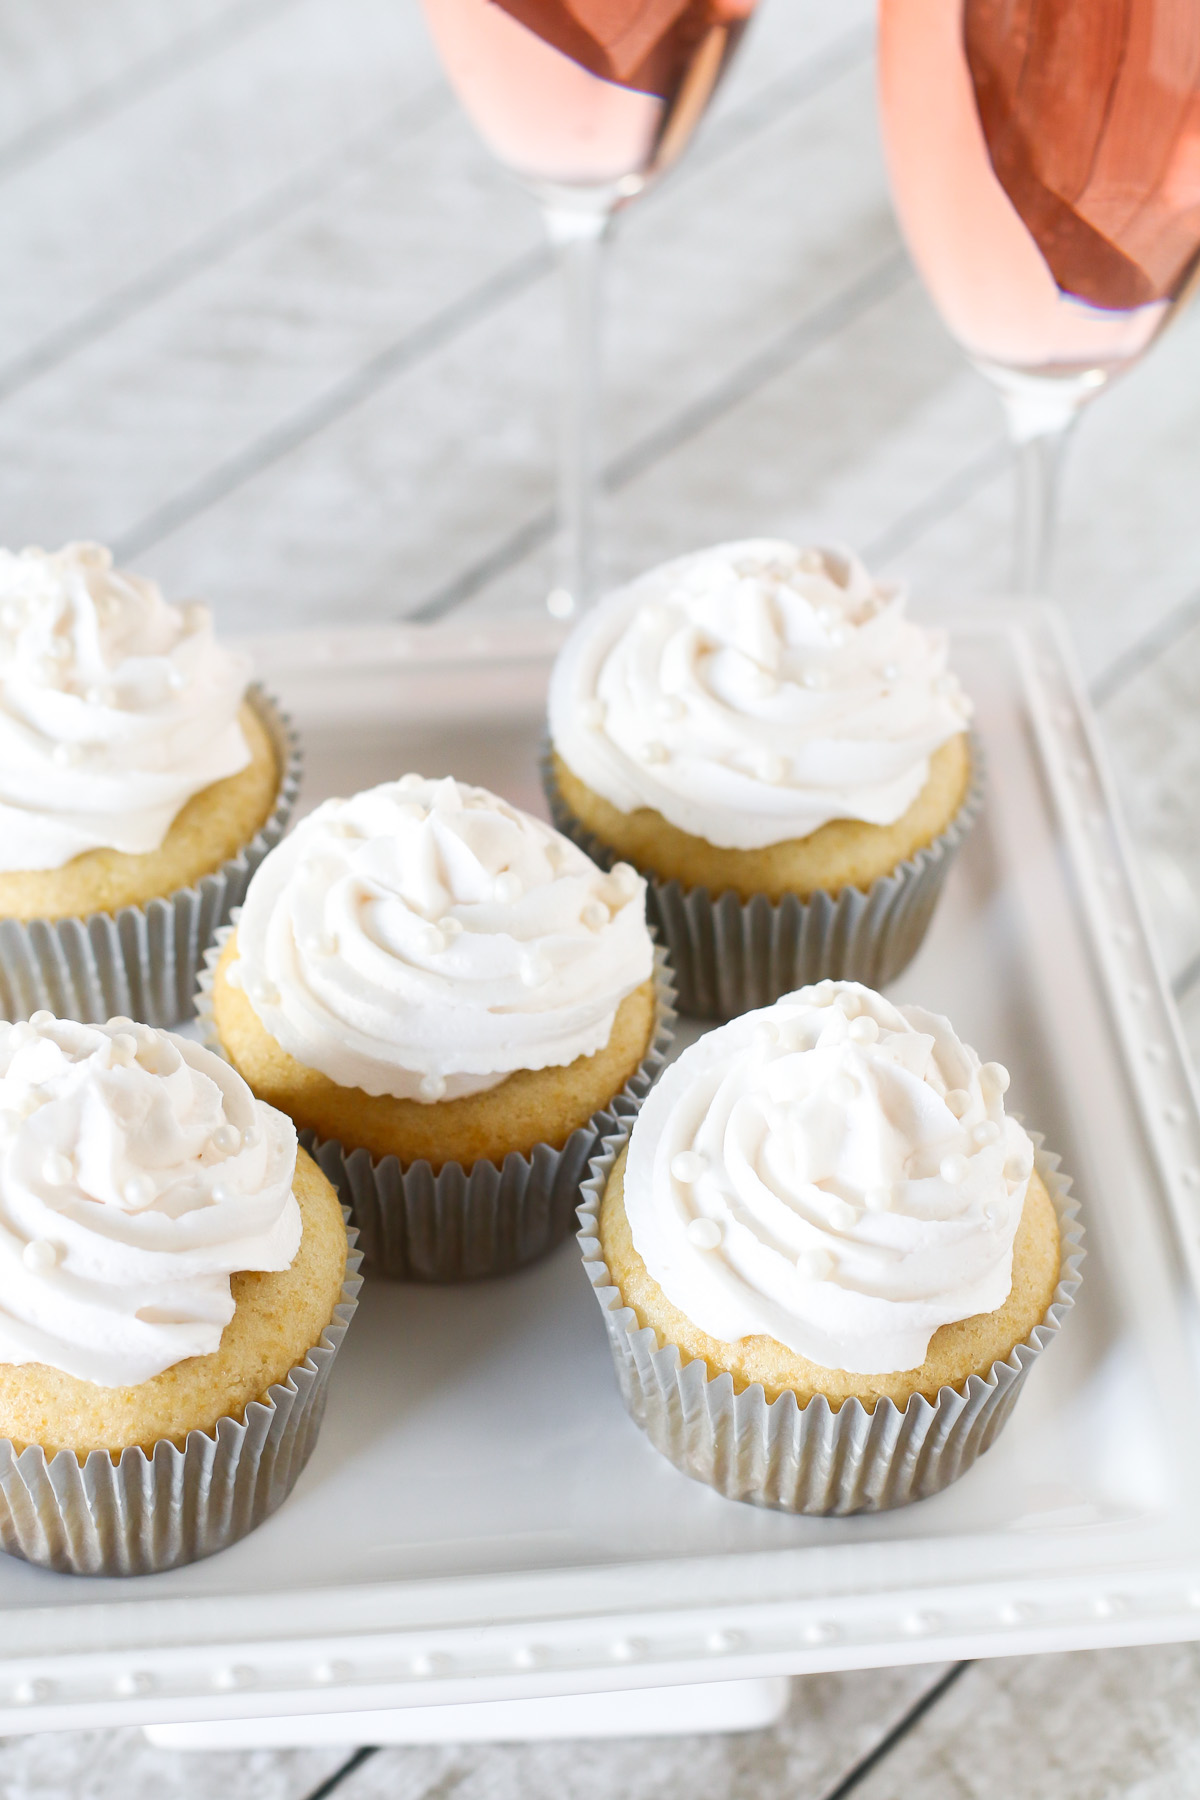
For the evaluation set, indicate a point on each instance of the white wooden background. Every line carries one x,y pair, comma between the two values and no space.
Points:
273,325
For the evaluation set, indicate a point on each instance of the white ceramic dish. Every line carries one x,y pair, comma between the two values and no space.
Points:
459,1536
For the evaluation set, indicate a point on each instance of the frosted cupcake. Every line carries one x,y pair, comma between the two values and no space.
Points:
456,1003
827,1257
141,781
173,1287
764,734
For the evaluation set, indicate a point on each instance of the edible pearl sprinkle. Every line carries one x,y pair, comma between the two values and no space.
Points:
119,1022
705,1234
877,1200
655,752
823,993
450,927
139,1190
687,1166
863,1030
1013,1171
815,679
890,671
996,1076
226,1139
124,1049
432,1087
595,915
772,767
57,1169
265,994
626,878
816,1264
534,970
507,888
987,1133
40,1020
319,945
65,756
39,1256
954,1169
958,1100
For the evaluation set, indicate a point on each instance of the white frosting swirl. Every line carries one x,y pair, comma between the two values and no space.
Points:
137,1173
115,708
835,1172
753,692
425,939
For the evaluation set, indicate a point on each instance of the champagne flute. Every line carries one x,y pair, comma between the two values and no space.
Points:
587,101
1044,157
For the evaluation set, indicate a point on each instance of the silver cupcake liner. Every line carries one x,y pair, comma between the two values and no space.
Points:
467,1224
812,1459
148,1511
732,956
143,960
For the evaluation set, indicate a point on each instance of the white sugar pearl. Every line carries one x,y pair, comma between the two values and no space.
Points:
221,1194
39,1256
176,679
842,1215
987,1133
863,1030
878,1200
251,1137
432,1087
40,1020
57,1169
815,680
954,1169
535,970
592,714
958,1100
507,888
264,993
450,927
100,696
319,944
687,1166
817,1264
233,975
1013,1170
842,1089
705,1234
119,1022
772,767
66,756
655,752
652,618
408,784
595,915
626,878
766,1034
996,1076
824,993
140,1190
226,1139
124,1049
890,671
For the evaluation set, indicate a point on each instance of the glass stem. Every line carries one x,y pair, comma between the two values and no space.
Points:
1041,411
577,235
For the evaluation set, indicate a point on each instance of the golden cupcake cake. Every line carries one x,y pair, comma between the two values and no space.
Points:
828,1248
141,780
173,1287
456,1003
785,755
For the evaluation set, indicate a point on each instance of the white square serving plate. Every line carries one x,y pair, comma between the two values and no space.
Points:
480,1520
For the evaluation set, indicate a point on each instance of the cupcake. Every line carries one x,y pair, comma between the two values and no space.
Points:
141,782
456,1004
173,1288
826,1256
782,753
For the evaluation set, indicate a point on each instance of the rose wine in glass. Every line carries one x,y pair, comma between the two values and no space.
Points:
586,101
1044,157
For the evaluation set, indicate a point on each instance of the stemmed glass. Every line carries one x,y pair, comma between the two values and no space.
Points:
1045,163
586,101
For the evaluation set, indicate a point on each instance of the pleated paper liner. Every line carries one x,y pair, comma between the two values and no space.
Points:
141,961
812,1459
142,1512
732,956
466,1224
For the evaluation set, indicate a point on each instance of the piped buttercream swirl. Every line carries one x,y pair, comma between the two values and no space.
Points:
425,939
833,1171
753,692
137,1173
115,708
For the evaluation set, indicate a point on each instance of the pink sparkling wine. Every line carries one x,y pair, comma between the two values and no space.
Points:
590,93
1045,162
